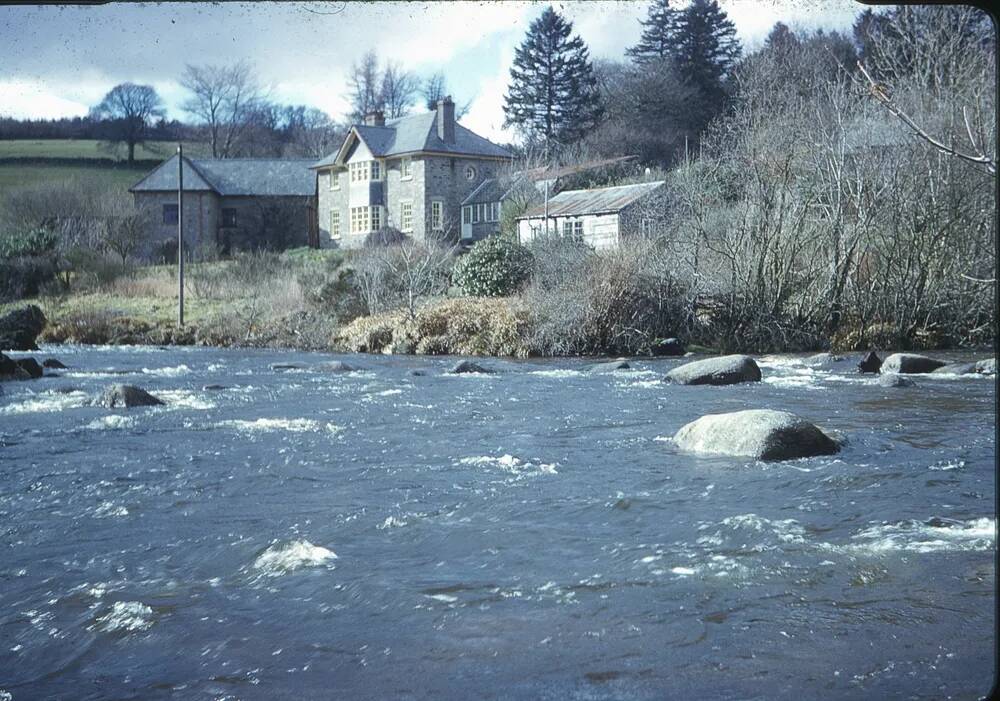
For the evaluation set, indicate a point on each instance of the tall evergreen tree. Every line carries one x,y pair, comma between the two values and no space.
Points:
707,51
659,34
552,96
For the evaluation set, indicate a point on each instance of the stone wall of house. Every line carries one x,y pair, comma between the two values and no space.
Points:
445,179
274,223
201,218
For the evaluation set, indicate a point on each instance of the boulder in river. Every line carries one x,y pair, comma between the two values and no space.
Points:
870,363
10,370
893,380
467,366
335,366
668,346
727,370
910,363
30,366
117,396
53,363
213,388
823,359
20,327
987,366
955,369
611,366
763,434
289,366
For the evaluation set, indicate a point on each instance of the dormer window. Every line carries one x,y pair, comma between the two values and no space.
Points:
470,173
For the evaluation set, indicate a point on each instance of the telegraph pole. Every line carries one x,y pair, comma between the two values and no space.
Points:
180,235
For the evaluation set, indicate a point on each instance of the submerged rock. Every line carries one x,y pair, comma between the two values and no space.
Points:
289,366
763,434
53,363
117,396
668,346
894,380
20,328
213,388
31,367
601,368
987,366
727,370
910,363
336,366
823,359
956,369
870,363
416,373
467,366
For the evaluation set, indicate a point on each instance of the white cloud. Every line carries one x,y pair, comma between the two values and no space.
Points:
24,99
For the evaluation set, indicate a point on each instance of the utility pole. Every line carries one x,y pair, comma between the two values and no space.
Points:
180,235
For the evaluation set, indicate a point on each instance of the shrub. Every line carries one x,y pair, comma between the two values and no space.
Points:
386,236
25,276
33,242
497,266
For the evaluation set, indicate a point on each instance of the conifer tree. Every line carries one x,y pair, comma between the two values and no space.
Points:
707,50
659,34
552,96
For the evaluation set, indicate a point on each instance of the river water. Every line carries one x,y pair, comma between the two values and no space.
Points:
532,534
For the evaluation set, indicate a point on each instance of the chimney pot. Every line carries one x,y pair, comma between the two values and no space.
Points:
375,118
446,120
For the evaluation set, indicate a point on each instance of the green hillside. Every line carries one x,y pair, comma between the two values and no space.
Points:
89,148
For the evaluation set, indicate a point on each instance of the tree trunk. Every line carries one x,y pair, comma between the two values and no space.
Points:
131,152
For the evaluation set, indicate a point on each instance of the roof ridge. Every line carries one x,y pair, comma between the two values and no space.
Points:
611,187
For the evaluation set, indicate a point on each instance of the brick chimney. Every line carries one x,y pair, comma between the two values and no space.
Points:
375,118
446,120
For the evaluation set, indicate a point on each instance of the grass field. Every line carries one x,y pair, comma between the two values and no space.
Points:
16,175
88,148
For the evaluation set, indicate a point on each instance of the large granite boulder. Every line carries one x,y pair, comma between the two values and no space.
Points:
763,434
727,370
117,396
467,366
910,363
20,328
335,366
602,368
870,363
894,380
11,370
31,367
987,366
668,347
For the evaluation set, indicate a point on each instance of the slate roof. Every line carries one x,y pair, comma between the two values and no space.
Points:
274,177
598,201
417,133
490,190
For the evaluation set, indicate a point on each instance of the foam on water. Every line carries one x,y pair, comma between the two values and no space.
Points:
183,399
113,421
109,509
510,463
913,536
46,402
281,558
175,371
127,616
264,425
557,373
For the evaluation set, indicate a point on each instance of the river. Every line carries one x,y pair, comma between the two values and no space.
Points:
532,534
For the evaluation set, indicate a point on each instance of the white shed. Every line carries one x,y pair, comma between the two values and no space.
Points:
599,217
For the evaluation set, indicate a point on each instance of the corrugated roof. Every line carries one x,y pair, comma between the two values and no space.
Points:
596,201
414,134
276,177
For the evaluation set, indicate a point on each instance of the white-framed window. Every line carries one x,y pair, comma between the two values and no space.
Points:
334,224
536,230
334,180
476,209
406,168
406,217
376,170
360,171
470,172
467,214
360,220
494,211
376,217
437,215
573,229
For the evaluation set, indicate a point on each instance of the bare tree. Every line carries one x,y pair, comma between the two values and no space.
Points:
398,91
226,100
403,275
129,110
123,227
365,87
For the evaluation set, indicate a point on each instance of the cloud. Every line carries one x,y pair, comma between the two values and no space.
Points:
24,99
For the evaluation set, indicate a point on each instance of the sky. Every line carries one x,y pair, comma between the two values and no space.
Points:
59,60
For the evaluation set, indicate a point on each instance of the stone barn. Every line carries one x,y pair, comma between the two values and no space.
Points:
231,204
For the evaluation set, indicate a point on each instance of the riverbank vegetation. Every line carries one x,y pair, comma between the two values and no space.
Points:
829,207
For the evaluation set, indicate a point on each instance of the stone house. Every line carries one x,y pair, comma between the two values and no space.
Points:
600,217
237,203
412,174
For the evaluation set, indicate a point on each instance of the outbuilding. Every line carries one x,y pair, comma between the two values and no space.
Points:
600,217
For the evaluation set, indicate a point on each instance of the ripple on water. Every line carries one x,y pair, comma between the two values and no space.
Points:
282,558
511,464
125,616
264,425
46,402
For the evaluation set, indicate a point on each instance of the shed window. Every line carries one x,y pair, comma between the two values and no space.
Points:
573,229
169,214
228,217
